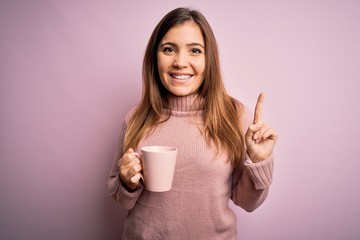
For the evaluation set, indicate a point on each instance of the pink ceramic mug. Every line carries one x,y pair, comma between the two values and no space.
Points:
158,167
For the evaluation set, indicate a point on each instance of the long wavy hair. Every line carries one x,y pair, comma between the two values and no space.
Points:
221,111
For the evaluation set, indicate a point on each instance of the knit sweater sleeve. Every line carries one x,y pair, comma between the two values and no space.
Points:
115,187
251,181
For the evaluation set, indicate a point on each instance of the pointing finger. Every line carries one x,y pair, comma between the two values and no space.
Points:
258,108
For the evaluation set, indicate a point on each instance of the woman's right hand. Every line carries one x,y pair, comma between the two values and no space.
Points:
130,169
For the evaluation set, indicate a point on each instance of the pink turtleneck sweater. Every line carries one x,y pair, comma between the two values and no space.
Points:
197,205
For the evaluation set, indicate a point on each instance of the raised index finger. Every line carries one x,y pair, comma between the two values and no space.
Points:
258,108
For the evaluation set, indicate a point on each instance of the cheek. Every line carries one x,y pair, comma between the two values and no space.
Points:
200,66
160,61
159,64
201,72
163,65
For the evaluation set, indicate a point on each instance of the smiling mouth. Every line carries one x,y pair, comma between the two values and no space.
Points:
181,77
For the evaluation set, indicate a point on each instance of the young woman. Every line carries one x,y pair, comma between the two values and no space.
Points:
223,152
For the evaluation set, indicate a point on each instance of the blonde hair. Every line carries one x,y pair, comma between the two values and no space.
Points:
221,112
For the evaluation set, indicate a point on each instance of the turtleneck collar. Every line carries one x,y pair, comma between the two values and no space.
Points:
184,103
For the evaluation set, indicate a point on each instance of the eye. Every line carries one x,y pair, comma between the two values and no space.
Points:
168,50
196,51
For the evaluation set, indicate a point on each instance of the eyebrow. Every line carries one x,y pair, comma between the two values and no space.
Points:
188,45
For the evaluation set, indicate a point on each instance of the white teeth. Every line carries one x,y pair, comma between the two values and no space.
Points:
181,77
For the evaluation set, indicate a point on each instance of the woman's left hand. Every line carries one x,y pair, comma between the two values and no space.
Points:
260,138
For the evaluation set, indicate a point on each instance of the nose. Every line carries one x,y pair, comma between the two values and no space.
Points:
180,60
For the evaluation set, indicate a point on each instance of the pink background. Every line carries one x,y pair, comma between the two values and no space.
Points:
70,70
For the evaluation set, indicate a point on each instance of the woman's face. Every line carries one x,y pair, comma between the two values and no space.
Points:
181,59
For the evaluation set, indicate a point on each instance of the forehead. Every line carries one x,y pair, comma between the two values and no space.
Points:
187,32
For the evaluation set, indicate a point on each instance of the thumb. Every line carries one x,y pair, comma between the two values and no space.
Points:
253,128
130,150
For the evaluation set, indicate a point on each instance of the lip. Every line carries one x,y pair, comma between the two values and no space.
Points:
180,73
184,76
180,80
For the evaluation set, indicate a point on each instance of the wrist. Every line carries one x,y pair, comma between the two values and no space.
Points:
256,159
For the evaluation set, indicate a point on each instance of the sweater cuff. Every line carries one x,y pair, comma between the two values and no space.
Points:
260,172
125,198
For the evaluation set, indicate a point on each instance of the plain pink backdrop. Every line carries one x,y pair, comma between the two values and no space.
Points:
70,70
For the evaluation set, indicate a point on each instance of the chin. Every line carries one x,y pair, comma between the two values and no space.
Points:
181,94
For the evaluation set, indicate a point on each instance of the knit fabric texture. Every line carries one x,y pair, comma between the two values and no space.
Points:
197,206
